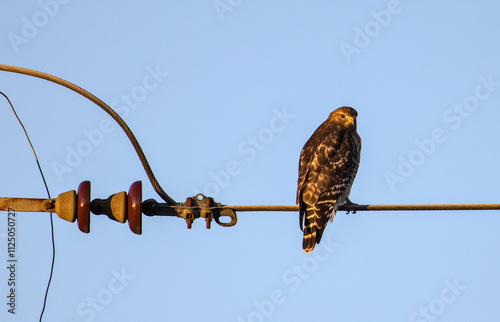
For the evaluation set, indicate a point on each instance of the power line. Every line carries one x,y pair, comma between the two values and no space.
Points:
107,109
415,207
172,208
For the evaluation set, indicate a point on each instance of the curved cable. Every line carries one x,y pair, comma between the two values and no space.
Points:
107,109
51,214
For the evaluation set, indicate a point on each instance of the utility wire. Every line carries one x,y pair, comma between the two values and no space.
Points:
51,214
107,109
171,202
354,207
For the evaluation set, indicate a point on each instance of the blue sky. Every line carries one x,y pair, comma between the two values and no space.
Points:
222,95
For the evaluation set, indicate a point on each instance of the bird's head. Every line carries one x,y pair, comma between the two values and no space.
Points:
345,116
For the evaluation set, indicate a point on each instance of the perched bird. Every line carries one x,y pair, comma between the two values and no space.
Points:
328,164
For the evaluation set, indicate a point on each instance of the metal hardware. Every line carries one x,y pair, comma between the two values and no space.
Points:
195,207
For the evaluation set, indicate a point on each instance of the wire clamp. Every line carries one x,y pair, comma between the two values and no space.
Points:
198,206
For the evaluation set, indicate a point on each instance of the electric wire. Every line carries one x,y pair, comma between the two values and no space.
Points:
354,207
107,109
51,214
172,202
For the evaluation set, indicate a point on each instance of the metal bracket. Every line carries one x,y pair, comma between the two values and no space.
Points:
195,207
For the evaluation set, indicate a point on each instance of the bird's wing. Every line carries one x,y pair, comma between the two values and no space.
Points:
321,167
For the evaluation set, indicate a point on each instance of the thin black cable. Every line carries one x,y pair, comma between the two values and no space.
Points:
51,214
53,244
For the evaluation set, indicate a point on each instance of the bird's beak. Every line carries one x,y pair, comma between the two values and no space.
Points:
352,120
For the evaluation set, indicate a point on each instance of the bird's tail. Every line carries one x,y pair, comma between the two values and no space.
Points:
313,226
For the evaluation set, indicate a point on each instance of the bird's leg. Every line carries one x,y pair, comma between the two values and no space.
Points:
350,203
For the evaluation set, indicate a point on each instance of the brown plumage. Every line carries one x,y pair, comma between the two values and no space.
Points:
328,164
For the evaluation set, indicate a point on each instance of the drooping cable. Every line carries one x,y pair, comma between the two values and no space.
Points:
51,214
107,109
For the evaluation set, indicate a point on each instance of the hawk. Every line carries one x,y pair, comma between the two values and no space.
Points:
328,164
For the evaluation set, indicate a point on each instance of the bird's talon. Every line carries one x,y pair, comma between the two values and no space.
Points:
350,203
